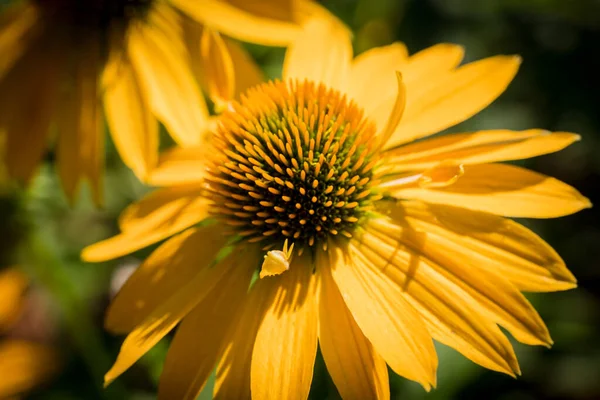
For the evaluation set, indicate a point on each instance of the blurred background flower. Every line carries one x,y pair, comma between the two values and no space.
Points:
557,88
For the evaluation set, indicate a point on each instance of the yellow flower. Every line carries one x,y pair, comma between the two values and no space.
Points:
23,364
395,243
62,59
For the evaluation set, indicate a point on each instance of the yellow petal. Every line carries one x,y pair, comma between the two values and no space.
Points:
28,96
18,26
156,217
23,365
218,68
247,71
373,75
392,325
238,23
503,190
158,57
233,371
179,166
12,287
195,349
479,147
80,144
431,62
323,54
286,342
133,128
171,310
450,313
455,98
162,274
355,367
393,118
460,257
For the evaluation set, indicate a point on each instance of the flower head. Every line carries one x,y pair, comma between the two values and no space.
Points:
70,63
396,243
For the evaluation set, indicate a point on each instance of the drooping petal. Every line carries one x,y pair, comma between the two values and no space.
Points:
133,128
23,365
286,342
454,98
179,166
479,148
12,287
355,367
80,144
195,349
391,324
28,94
18,25
233,371
503,190
493,243
323,54
162,274
240,24
172,310
156,217
159,59
449,312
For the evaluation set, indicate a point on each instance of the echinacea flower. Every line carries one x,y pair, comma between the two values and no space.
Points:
395,243
23,364
69,63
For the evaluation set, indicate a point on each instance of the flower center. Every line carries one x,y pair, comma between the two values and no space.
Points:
292,160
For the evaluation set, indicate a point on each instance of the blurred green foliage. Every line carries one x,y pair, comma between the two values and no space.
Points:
557,88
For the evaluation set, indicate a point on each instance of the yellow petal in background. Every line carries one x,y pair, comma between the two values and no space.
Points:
12,287
132,126
391,324
323,54
179,166
80,144
162,274
355,367
199,341
479,147
460,95
218,68
239,23
164,71
17,29
172,310
286,342
503,190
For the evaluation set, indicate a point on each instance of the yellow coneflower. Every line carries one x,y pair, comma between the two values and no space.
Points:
23,364
395,244
61,59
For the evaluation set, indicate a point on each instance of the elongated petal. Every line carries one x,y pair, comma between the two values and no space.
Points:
355,367
12,287
218,67
28,96
233,371
157,55
23,365
179,166
195,349
455,98
238,23
132,126
162,274
171,310
449,312
431,62
494,243
323,54
286,341
80,144
373,74
503,190
392,325
479,147
247,71
156,217
395,114
18,26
